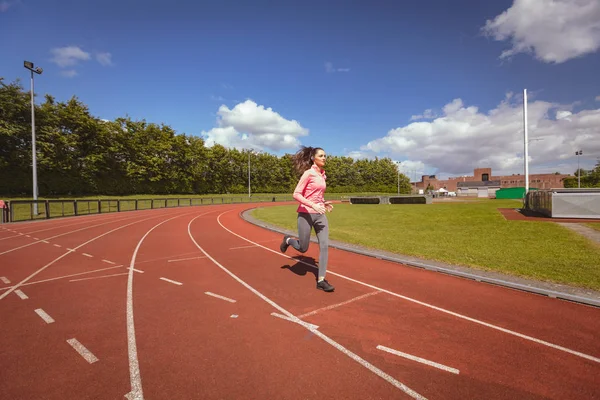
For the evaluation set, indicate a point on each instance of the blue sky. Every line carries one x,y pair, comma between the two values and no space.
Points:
434,84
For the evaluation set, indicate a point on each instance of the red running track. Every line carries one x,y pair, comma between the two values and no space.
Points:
196,303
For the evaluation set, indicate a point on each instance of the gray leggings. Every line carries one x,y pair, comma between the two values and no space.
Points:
306,222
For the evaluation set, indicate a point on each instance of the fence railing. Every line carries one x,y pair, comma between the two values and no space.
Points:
24,210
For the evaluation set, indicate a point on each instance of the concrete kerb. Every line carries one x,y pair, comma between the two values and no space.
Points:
553,290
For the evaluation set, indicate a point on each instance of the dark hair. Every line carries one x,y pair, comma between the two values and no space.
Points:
303,158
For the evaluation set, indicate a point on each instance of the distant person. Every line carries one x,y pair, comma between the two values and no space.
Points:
309,192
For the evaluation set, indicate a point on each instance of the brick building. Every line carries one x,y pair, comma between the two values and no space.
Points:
484,177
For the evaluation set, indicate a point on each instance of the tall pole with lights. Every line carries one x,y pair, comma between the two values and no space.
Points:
398,168
578,153
526,142
29,65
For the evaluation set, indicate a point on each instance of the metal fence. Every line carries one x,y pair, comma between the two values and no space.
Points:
24,210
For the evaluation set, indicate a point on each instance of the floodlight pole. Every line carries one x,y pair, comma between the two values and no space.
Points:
578,153
249,193
398,170
29,65
526,142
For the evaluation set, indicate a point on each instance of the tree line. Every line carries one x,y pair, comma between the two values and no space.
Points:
588,178
80,154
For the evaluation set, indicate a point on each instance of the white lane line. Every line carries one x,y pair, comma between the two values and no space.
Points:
4,279
44,316
83,352
316,332
241,247
97,277
45,241
69,252
109,262
135,378
137,270
68,233
87,255
186,259
63,277
339,304
234,316
57,245
302,323
220,297
171,281
28,236
22,295
70,249
36,238
443,310
418,359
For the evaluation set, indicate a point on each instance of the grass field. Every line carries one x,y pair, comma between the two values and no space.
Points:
471,234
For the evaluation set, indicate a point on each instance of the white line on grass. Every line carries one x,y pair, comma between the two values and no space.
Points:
418,359
508,331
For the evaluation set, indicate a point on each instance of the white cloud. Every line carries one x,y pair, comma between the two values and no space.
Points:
69,73
68,56
104,59
427,114
553,30
464,138
329,68
248,125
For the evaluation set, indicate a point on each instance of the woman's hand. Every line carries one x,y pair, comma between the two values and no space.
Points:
328,206
318,207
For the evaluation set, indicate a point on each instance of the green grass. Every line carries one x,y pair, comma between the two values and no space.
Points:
471,234
594,225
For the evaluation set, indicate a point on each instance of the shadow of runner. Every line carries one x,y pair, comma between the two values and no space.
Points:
302,269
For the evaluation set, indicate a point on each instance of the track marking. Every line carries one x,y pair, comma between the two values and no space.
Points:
242,247
339,304
443,310
220,297
135,378
171,281
62,277
57,245
186,259
418,359
109,262
36,238
83,352
45,241
234,316
87,255
316,332
302,323
97,277
69,252
4,279
137,270
67,233
22,295
44,316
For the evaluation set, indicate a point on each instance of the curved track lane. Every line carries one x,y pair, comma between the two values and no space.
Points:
196,303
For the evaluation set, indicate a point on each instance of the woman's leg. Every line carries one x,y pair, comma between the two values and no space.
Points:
321,226
304,227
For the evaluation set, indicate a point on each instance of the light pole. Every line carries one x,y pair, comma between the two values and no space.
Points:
578,153
398,168
249,193
29,65
526,142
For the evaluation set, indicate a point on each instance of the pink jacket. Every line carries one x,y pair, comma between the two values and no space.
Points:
310,189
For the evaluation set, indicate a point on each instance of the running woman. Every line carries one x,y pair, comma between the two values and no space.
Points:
310,162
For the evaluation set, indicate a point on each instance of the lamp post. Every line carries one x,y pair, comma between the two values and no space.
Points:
398,170
29,65
578,153
526,142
